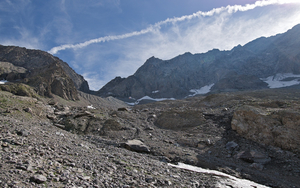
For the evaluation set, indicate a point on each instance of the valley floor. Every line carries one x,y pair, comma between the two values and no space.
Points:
53,145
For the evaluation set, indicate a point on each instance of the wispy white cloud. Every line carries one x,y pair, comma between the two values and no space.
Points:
25,39
158,25
199,34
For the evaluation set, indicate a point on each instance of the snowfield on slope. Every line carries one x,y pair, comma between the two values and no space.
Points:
225,180
202,90
282,80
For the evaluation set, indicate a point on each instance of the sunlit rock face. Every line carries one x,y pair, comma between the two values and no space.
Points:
242,68
271,126
46,73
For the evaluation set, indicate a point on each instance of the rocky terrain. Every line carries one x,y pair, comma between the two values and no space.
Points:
95,142
235,70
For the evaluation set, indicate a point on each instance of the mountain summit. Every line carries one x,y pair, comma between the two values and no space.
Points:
242,68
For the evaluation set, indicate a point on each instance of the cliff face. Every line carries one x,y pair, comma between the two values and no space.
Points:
238,69
46,73
31,59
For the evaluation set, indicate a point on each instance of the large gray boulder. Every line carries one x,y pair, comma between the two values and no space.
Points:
136,145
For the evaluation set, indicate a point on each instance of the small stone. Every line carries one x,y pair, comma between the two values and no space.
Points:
231,145
52,103
86,178
23,133
123,109
150,180
60,126
29,110
59,133
168,182
38,178
22,167
208,142
165,159
25,166
71,164
257,166
79,170
16,182
253,157
148,128
4,144
151,118
17,143
51,117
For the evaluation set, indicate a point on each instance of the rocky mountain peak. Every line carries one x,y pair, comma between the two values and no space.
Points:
46,73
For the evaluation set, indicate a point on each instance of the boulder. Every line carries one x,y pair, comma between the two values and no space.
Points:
136,145
231,145
253,157
38,178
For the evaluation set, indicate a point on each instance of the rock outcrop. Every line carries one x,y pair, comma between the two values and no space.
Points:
270,126
52,79
46,73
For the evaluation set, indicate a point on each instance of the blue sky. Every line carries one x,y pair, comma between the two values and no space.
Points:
102,39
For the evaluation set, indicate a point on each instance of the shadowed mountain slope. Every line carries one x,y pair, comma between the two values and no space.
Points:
238,69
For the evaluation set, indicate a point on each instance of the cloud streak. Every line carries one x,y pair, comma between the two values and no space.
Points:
157,26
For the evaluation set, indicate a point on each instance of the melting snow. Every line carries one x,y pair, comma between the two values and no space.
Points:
202,90
224,179
277,80
91,107
149,98
3,81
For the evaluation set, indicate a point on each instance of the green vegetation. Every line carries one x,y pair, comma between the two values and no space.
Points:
19,89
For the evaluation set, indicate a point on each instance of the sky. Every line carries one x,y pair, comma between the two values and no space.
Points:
102,39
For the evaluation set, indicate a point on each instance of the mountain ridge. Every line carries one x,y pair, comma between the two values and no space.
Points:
260,58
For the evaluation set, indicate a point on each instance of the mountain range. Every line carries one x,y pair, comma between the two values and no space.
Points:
262,63
241,68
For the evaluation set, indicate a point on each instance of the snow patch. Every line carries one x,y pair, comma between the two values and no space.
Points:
277,81
91,107
202,90
224,179
149,98
155,91
3,81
